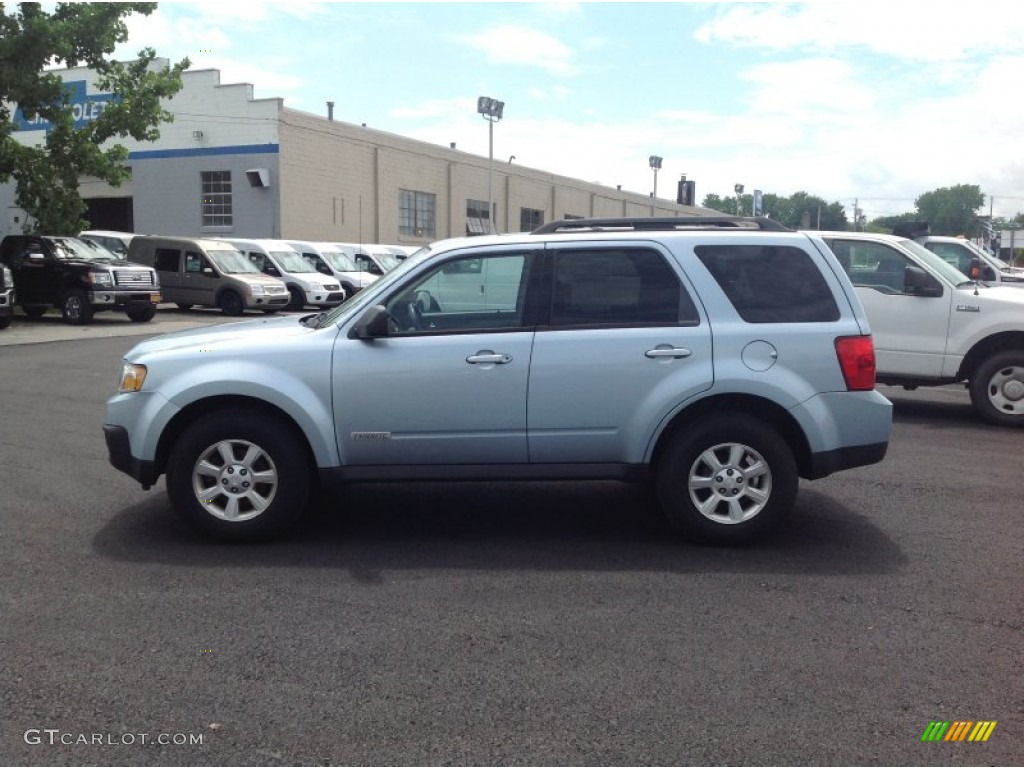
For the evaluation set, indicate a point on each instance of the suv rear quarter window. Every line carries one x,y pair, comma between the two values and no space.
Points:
617,287
770,283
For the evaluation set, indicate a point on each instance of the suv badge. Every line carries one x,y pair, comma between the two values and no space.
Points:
968,308
371,435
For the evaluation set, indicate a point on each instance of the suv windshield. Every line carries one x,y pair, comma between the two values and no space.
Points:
73,248
340,261
290,261
386,260
232,262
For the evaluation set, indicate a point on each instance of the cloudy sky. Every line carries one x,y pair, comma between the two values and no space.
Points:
878,102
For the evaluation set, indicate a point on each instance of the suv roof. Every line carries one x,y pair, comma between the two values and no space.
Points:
663,224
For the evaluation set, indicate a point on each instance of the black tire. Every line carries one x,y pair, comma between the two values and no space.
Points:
756,498
230,303
141,314
997,389
5,321
75,307
184,306
206,499
34,311
297,299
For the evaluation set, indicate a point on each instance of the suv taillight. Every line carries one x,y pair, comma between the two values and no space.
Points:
857,359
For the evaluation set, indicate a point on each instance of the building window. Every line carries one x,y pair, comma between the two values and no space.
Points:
416,213
478,222
216,200
530,219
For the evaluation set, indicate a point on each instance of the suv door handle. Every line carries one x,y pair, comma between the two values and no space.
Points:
667,351
489,357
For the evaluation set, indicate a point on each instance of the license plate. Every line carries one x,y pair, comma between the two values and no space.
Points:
155,298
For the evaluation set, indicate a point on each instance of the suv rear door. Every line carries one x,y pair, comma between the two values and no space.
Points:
622,343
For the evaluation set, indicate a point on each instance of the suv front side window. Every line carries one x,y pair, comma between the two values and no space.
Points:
468,294
617,287
770,283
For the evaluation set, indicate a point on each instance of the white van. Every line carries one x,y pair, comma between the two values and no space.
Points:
375,259
278,259
331,259
115,242
210,273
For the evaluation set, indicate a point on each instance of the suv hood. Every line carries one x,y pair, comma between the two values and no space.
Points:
254,334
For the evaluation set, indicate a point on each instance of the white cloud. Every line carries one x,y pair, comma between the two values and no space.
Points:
937,31
522,46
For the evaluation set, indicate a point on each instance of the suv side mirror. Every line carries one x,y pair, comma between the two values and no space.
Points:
208,271
35,256
372,325
975,269
920,283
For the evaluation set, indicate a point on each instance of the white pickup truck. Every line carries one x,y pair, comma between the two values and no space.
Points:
933,325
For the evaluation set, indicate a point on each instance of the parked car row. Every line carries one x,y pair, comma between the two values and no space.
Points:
109,270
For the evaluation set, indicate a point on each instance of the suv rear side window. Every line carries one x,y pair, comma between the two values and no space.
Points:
770,283
617,287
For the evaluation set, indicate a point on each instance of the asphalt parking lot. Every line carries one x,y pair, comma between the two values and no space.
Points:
484,623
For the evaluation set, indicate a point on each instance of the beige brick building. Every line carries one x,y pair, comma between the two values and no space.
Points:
232,165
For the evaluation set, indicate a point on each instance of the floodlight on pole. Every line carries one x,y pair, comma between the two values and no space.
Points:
738,189
655,163
491,110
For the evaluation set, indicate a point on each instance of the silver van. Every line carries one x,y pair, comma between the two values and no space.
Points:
210,273
306,285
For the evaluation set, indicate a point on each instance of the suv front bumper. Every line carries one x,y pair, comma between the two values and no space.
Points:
120,453
7,302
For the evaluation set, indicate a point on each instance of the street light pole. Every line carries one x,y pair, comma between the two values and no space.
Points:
738,189
491,110
655,162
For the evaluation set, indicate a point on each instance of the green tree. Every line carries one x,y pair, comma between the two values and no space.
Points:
951,210
75,34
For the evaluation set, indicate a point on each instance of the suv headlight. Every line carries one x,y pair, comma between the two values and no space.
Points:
8,277
99,278
133,375
256,290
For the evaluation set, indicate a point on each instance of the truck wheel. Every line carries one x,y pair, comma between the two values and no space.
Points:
142,314
297,301
75,308
34,311
239,475
997,389
230,303
726,480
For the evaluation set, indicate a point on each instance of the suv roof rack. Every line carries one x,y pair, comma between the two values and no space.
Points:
651,224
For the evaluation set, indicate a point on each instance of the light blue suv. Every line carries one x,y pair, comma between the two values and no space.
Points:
722,358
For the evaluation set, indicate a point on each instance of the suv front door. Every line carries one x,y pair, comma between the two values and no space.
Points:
622,345
448,384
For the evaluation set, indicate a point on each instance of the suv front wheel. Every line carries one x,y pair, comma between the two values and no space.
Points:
997,389
727,479
239,475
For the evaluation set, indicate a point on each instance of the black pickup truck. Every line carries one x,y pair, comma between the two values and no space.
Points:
78,277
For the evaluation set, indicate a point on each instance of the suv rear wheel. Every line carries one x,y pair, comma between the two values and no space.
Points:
727,479
75,307
239,475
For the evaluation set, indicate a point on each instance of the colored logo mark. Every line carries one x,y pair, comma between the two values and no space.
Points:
958,730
